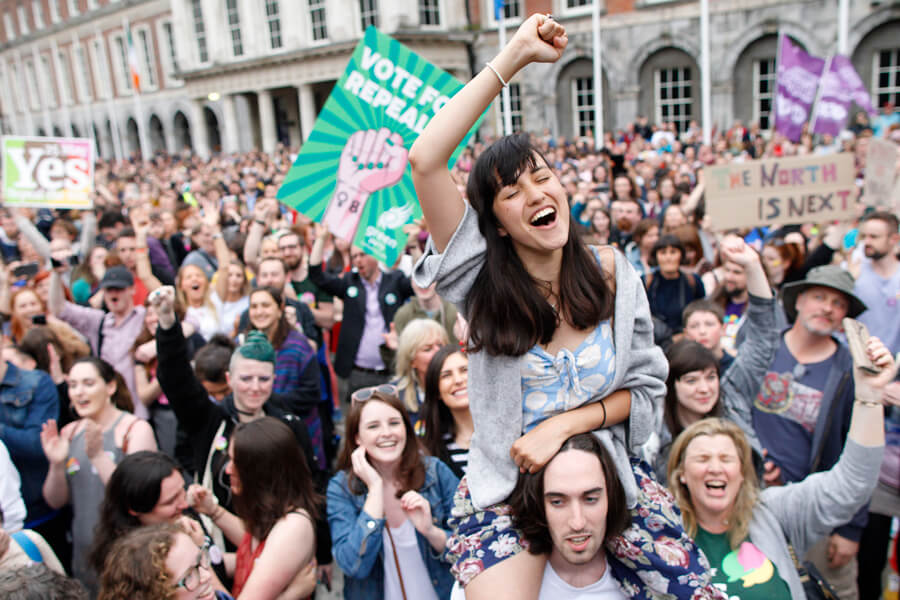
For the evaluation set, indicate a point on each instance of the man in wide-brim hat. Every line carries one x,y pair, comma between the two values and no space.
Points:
802,412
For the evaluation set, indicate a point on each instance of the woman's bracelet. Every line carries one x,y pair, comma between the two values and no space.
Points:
497,73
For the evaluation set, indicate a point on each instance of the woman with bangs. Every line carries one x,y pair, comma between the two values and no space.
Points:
388,505
445,414
560,343
752,537
193,292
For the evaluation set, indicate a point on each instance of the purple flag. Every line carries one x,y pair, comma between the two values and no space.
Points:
841,86
798,80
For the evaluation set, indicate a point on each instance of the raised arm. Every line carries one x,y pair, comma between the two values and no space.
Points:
539,39
140,222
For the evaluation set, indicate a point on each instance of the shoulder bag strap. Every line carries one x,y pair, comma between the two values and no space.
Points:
387,528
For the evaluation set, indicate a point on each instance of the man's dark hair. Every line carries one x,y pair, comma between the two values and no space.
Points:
111,218
882,215
211,361
37,582
527,500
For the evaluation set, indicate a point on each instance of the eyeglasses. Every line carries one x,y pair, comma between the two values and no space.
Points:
363,394
191,579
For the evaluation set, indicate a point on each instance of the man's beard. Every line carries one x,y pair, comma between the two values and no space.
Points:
292,263
732,294
873,254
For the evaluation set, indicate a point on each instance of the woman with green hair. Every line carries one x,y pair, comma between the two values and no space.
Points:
209,426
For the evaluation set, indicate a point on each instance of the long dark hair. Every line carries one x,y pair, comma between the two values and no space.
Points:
686,356
507,312
527,499
437,417
282,328
133,486
410,472
273,473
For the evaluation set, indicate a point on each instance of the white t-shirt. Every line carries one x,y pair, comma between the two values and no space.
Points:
554,588
415,575
228,312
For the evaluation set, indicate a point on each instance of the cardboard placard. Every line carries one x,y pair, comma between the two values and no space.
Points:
48,172
881,169
352,173
807,189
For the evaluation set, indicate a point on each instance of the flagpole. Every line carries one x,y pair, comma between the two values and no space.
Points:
501,29
815,109
598,77
136,90
843,24
705,93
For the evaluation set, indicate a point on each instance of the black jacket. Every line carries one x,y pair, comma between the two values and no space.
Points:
393,291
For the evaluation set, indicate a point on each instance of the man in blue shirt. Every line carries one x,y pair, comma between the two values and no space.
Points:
802,412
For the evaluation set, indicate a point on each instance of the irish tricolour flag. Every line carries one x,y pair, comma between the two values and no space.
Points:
133,60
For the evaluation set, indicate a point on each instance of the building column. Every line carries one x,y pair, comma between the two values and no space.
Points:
307,110
230,143
199,135
722,105
266,120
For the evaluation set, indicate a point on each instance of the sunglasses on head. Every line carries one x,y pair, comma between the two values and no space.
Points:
363,394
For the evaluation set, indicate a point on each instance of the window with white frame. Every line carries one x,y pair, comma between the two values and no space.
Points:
273,20
55,11
673,92
31,80
515,106
37,14
146,50
46,75
123,72
368,13
763,92
21,103
9,26
233,16
317,20
73,8
886,77
83,76
512,9
65,78
104,87
92,4
583,106
169,36
430,12
199,31
23,19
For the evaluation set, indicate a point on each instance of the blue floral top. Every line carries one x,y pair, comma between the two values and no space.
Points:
552,385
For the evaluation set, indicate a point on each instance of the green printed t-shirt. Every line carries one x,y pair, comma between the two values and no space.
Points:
745,573
309,293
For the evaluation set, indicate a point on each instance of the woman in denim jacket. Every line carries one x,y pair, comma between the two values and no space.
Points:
385,480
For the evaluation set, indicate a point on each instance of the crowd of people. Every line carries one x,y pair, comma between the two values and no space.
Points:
572,384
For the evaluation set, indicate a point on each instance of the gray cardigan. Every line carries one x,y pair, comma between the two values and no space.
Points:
806,511
495,382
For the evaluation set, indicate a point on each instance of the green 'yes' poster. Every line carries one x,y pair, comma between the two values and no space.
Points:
352,174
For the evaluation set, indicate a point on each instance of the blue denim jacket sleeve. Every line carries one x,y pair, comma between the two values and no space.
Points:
355,536
442,503
27,406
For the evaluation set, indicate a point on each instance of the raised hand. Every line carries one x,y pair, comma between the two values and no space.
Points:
162,299
736,250
540,39
93,439
363,469
870,387
56,447
201,499
418,510
372,160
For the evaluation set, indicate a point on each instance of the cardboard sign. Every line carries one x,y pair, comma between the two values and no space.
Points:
808,189
352,173
48,172
881,168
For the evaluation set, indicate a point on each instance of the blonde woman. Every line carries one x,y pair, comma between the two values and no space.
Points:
420,339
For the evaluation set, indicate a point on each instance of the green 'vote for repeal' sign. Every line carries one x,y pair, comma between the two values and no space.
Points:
48,172
802,189
352,173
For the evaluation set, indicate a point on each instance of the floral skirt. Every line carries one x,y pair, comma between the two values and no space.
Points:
653,559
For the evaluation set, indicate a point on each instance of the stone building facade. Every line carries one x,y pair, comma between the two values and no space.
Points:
233,75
